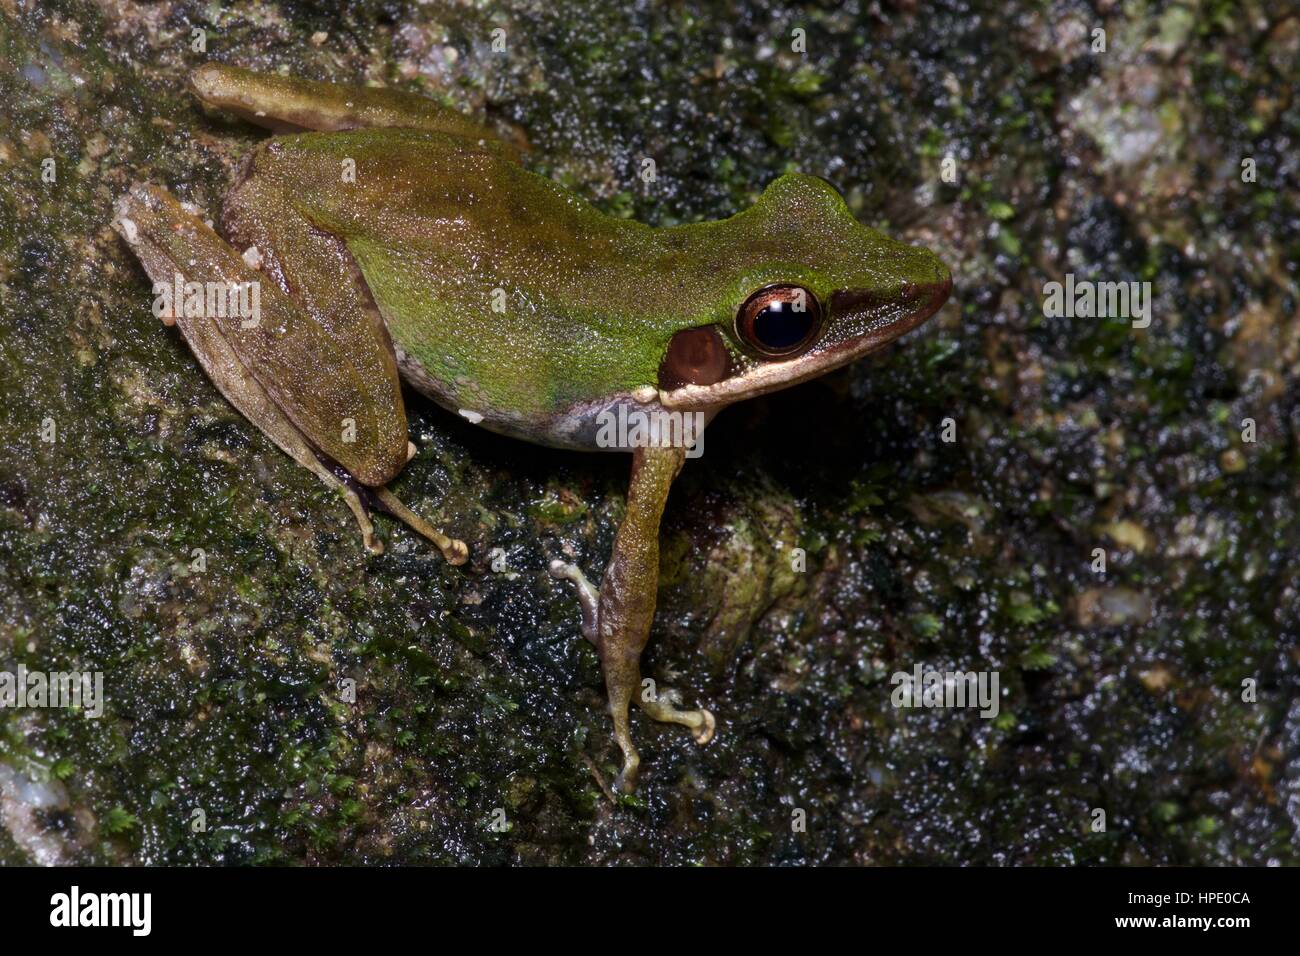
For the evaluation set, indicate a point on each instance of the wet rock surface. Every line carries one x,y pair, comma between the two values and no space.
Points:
274,694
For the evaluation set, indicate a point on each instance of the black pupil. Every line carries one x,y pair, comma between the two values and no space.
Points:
779,327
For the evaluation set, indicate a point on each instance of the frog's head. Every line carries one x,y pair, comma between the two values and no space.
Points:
800,288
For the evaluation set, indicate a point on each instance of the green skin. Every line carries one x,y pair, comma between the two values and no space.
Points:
400,240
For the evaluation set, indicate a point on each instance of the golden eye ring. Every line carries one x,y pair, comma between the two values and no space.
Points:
779,321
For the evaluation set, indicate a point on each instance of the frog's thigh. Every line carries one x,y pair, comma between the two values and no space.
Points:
287,104
167,239
327,361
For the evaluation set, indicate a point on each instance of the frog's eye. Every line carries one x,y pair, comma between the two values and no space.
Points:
779,321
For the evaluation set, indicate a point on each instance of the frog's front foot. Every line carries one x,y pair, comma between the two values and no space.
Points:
662,707
619,660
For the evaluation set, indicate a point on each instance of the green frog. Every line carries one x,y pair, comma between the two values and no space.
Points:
390,238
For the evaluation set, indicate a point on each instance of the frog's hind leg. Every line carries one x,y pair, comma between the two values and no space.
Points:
156,227
329,287
287,104
177,248
621,613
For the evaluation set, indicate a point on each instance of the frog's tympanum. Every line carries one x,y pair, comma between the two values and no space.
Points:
391,238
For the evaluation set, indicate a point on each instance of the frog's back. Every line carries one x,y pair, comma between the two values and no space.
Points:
505,296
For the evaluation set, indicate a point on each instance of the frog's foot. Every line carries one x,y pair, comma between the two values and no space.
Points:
588,596
622,679
662,708
621,675
453,549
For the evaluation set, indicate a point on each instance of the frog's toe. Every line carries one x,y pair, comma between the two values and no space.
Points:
663,708
704,733
625,781
670,695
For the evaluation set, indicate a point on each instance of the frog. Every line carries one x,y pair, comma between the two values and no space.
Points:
394,240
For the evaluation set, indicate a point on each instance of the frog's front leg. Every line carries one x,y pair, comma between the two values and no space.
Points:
617,618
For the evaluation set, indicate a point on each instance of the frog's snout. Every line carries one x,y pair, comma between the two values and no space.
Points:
926,289
933,294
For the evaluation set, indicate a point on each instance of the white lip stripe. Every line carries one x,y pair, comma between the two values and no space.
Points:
781,374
